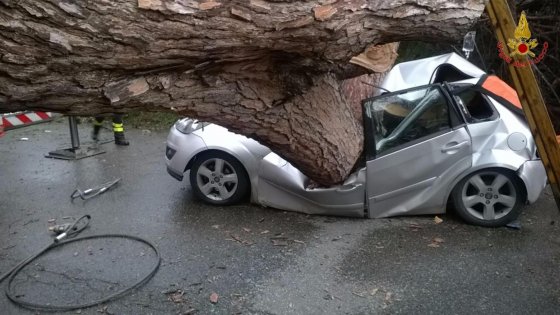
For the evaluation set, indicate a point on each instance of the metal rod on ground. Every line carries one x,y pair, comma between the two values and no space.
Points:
92,192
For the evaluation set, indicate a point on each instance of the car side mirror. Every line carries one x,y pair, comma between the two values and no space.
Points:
468,43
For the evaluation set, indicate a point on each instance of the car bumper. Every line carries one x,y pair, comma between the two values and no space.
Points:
533,175
180,149
174,174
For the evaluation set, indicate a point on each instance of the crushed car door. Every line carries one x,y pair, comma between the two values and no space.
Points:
282,186
416,145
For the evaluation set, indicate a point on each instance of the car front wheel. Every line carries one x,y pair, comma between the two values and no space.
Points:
488,198
218,178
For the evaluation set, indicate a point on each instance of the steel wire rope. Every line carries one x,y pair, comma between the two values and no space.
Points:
70,233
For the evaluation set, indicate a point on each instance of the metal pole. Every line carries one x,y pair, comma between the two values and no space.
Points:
74,153
75,138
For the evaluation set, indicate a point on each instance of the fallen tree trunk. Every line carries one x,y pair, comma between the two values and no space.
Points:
271,70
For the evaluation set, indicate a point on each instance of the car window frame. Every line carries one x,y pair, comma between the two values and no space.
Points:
458,120
466,115
455,121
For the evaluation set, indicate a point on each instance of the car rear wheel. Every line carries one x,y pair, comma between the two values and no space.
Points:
218,178
488,198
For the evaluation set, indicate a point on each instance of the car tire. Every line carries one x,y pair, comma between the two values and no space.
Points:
218,178
490,197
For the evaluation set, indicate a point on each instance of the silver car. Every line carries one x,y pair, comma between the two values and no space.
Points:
434,140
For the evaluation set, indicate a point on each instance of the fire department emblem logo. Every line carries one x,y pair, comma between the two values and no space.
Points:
522,46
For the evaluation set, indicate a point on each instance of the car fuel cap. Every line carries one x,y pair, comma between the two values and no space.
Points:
517,141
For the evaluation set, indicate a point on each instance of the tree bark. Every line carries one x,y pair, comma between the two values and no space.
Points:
271,70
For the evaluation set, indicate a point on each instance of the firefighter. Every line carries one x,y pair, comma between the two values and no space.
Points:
118,129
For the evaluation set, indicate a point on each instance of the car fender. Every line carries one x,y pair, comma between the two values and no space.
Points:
503,159
186,146
239,150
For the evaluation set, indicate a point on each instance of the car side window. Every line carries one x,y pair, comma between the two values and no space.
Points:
402,118
478,106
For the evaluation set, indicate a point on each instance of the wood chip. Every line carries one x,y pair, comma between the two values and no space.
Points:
414,227
388,296
177,296
437,220
103,310
279,241
239,240
214,298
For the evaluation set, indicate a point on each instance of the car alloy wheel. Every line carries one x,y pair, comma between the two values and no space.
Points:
488,197
216,179
219,178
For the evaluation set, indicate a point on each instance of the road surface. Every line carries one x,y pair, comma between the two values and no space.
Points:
256,260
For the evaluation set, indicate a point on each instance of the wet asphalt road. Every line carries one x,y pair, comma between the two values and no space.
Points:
257,260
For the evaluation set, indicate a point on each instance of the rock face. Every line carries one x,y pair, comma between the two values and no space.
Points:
271,70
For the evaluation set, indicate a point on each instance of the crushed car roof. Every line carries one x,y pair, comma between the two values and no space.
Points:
420,72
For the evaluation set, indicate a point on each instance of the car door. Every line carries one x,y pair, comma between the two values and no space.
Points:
416,145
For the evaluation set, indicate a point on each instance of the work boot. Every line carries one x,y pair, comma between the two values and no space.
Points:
120,139
95,132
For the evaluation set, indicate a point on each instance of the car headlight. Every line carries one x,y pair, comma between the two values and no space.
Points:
188,125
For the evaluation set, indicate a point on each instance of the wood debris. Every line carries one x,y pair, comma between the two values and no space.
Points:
214,298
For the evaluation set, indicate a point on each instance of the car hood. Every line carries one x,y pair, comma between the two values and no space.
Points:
419,72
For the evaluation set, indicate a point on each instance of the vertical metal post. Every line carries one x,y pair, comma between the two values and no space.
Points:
74,152
530,96
74,137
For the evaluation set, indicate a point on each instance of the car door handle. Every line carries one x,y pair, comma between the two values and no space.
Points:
452,146
346,188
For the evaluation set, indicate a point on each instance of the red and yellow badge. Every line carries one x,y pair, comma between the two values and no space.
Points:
522,54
